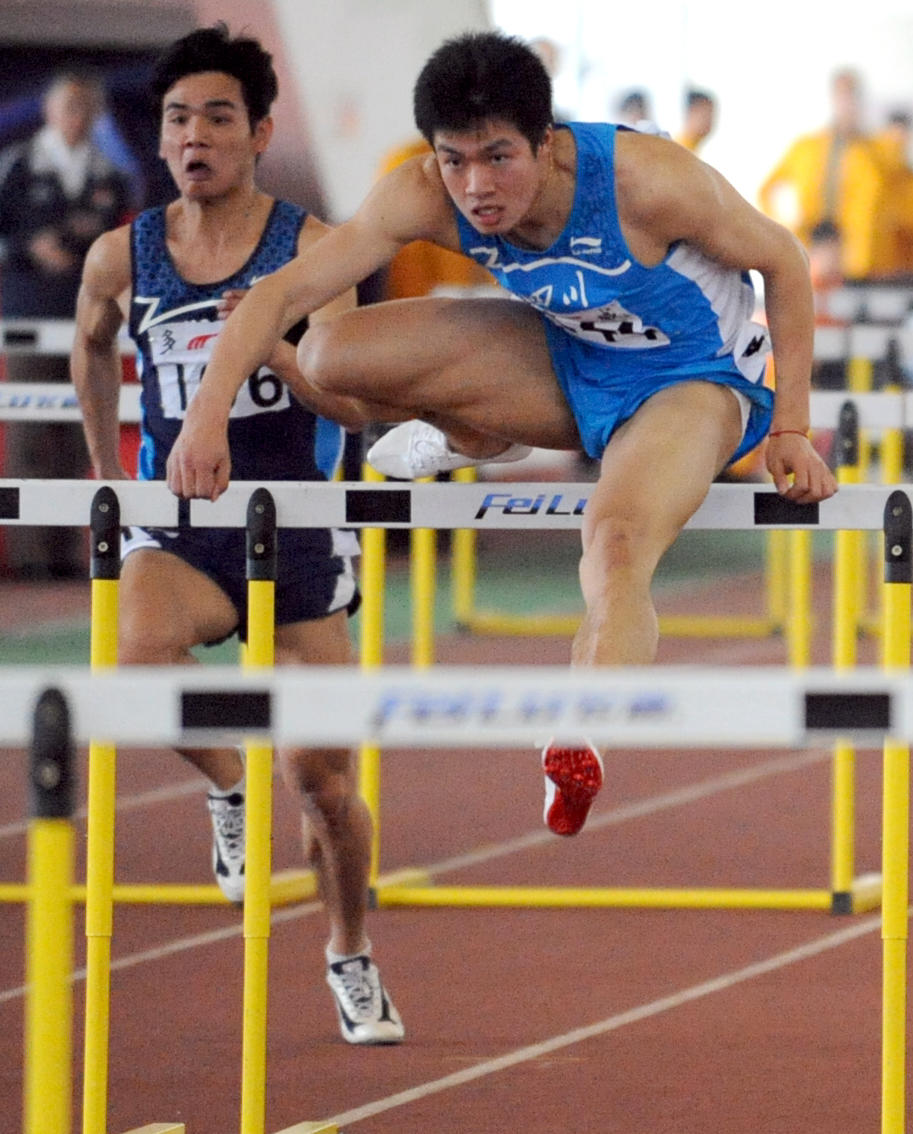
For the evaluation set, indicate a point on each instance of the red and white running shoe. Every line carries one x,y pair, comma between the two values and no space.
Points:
573,777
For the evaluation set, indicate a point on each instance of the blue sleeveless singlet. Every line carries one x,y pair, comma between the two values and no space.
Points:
619,331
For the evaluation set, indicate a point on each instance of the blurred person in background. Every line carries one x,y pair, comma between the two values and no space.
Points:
58,192
836,175
893,144
633,108
700,118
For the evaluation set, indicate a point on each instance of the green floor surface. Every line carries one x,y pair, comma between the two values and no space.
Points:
535,572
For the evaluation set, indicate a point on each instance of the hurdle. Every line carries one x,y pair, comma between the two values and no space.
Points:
514,507
103,506
48,1075
787,559
415,707
432,506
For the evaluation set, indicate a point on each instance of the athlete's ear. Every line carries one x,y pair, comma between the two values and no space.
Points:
263,133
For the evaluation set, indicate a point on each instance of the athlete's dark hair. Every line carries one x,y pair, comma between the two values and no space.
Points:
479,76
213,49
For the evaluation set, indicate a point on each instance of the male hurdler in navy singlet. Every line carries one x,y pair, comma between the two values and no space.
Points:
633,340
173,274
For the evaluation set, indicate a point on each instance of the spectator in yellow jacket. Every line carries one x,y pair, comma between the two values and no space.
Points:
893,146
834,175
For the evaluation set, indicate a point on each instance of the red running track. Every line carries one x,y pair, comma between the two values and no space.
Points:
530,1021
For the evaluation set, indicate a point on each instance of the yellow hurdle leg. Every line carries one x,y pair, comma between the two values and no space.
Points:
105,528
423,572
845,629
260,654
896,809
373,572
49,927
799,628
463,562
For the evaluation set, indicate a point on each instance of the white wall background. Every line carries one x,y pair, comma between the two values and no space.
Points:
356,61
768,64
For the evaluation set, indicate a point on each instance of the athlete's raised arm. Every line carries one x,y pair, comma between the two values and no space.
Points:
406,205
664,191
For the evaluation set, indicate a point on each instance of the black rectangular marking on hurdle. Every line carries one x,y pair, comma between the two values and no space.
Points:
13,337
237,709
9,503
848,711
772,508
364,506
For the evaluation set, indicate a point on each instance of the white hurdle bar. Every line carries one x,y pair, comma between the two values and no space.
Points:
871,319
467,706
487,505
57,401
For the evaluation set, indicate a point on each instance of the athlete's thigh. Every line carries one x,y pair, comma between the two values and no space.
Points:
167,607
480,361
658,466
317,641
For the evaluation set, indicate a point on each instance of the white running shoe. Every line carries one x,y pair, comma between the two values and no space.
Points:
415,449
227,814
366,1012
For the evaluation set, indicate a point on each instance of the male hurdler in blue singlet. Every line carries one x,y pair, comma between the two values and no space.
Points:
633,339
173,274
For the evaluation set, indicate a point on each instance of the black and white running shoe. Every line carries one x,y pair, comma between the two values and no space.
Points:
366,1012
227,814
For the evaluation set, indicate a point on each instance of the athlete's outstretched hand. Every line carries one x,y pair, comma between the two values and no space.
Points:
199,464
798,471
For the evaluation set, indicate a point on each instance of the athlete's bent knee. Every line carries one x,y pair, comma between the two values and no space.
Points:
318,355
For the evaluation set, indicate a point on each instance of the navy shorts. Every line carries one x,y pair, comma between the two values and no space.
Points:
312,580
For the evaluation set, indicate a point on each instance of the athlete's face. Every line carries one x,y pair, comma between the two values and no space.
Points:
206,137
492,174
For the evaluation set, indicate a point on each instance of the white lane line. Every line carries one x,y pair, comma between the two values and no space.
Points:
126,803
180,945
639,808
635,810
610,1024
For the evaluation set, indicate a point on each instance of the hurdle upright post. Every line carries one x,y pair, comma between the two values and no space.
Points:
371,656
49,927
423,582
260,654
898,576
104,527
847,545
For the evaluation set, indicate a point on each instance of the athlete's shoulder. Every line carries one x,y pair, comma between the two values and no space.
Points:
412,202
650,163
107,263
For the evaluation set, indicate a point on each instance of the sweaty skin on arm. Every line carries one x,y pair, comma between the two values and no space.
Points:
666,194
410,203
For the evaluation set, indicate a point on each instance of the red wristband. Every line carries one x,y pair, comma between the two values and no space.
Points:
780,432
